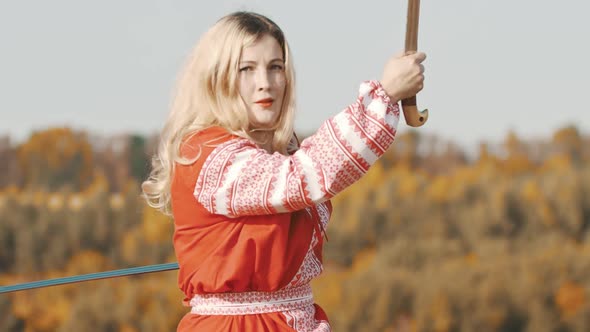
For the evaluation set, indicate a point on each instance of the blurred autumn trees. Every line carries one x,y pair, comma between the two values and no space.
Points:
499,243
56,158
70,205
432,239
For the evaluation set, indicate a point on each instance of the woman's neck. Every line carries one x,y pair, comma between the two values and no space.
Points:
263,139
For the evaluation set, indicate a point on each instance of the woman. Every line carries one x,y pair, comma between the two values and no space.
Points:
251,204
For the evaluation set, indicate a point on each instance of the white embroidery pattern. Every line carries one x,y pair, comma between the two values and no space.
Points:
240,179
324,214
303,320
310,268
247,303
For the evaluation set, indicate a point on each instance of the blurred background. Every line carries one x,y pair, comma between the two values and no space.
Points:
477,221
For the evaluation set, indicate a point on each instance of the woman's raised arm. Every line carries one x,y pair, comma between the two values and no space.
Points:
238,178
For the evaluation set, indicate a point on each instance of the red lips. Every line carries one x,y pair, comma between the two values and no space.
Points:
266,102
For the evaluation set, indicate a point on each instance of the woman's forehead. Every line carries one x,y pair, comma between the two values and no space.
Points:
266,46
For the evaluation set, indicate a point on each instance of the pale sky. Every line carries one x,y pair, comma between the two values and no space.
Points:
109,66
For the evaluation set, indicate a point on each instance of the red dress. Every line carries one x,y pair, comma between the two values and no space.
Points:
249,224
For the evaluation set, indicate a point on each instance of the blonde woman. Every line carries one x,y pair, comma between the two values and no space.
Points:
250,204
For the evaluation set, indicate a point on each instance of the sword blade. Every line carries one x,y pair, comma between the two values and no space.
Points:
90,276
412,25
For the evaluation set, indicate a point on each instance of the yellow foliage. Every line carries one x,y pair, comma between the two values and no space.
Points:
498,195
512,143
116,201
55,202
403,323
328,286
25,198
44,309
156,227
98,185
495,316
50,154
170,258
517,164
459,184
52,308
22,305
130,246
327,289
348,219
39,198
76,202
127,328
531,192
441,314
438,189
567,136
383,199
491,179
87,261
546,214
570,298
11,190
471,258
556,163
466,175
408,186
363,259
375,175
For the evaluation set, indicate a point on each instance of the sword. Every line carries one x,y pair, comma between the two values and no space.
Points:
413,116
90,276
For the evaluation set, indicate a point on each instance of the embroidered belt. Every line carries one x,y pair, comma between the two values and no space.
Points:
248,303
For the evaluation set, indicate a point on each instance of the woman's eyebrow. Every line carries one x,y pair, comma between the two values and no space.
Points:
254,62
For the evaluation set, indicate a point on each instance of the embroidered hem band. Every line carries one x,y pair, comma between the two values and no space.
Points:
248,303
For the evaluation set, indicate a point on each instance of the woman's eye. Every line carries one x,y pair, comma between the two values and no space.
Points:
276,67
246,68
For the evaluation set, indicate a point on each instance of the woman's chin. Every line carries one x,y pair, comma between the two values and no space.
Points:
264,123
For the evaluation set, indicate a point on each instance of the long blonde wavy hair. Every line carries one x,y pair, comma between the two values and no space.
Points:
207,95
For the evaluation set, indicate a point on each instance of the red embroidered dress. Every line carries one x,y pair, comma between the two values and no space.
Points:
248,224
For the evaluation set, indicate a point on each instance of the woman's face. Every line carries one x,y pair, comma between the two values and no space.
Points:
262,81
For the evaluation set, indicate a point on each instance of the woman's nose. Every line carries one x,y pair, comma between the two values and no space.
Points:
262,80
